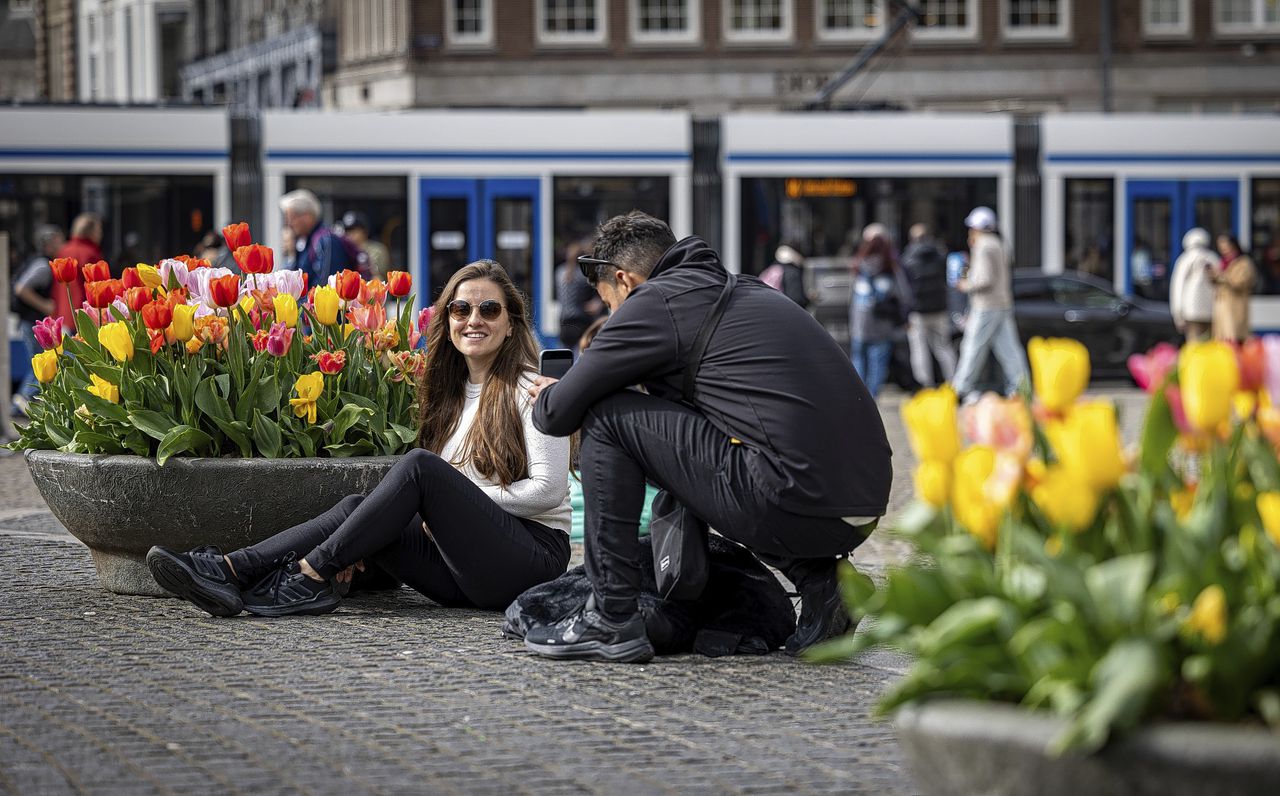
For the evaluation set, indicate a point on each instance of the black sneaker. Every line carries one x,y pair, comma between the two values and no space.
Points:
286,591
822,613
200,576
589,636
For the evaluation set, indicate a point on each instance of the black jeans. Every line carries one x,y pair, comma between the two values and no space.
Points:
629,437
477,555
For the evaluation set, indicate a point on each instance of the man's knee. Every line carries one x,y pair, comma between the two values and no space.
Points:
606,412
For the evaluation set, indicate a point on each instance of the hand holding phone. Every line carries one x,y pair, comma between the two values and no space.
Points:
555,362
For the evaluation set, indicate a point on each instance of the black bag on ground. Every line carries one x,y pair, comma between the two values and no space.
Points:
679,549
743,609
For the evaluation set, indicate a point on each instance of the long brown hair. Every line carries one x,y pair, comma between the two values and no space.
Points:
495,444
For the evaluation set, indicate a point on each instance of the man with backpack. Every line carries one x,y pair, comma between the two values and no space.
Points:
319,253
929,325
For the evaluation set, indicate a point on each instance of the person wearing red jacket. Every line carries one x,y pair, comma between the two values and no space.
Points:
84,246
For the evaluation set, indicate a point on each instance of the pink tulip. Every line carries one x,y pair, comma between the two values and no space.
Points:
1002,423
368,318
49,333
424,320
1150,370
279,340
1174,396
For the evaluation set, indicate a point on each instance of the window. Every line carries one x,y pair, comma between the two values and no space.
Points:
1247,16
844,20
571,21
469,23
666,21
757,21
1166,17
1037,19
948,19
1090,212
1264,244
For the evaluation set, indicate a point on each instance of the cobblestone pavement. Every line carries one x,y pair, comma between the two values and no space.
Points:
102,693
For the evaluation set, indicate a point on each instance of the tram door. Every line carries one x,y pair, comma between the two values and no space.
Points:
468,220
1160,212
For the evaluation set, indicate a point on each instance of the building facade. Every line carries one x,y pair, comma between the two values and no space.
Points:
17,51
55,33
130,50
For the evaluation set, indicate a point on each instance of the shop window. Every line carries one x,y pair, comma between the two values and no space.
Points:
571,21
665,21
757,20
1090,212
1264,244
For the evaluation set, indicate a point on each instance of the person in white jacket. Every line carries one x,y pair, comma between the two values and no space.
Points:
1191,295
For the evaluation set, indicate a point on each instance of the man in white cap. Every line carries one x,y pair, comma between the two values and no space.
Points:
990,328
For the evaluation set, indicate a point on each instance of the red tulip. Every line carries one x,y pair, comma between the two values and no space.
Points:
136,297
1253,363
97,272
399,283
236,236
157,339
259,340
330,362
347,283
225,290
157,314
254,259
131,279
102,292
65,269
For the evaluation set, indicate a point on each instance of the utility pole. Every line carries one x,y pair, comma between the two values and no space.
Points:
910,15
1104,54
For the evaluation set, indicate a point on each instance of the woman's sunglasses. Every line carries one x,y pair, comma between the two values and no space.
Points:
460,309
590,267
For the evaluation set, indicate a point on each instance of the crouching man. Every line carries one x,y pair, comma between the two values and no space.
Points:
775,442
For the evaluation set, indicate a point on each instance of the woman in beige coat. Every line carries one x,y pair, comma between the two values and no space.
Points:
1234,283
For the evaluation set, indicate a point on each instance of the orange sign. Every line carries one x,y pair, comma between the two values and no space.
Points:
824,187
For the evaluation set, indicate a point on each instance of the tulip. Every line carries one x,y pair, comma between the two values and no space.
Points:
104,389
135,298
286,309
1066,501
933,482
194,345
1244,403
211,329
308,388
367,317
326,305
930,418
1182,500
249,306
1251,358
1150,370
973,507
384,338
1208,617
236,236
1268,504
116,338
1208,376
399,283
48,333
1088,445
150,276
255,259
1002,423
373,292
157,338
100,294
259,340
131,278
286,281
424,320
157,314
183,327
330,362
172,272
347,283
279,340
45,366
225,290
1059,371
65,269
96,272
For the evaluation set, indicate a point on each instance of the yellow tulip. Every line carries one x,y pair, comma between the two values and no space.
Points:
1244,403
930,418
973,507
933,483
326,305
150,276
1088,444
247,303
116,338
286,307
309,388
1208,617
45,366
104,389
1208,377
1269,510
183,326
1182,500
1059,371
1065,501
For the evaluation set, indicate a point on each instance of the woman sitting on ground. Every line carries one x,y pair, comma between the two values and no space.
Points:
472,517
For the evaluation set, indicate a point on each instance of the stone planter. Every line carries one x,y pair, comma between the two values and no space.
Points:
122,505
958,747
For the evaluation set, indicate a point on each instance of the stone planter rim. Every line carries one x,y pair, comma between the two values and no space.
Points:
128,459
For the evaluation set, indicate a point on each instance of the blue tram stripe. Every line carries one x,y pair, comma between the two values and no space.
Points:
1164,157
882,157
166,154
443,154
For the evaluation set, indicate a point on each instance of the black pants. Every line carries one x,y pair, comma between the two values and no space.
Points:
629,437
477,555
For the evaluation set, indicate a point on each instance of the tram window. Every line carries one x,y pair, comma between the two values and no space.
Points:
513,239
583,203
1264,245
448,245
1090,208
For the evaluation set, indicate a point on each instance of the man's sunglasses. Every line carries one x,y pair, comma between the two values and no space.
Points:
590,267
460,309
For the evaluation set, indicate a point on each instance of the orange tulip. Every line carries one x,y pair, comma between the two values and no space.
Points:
65,269
330,362
157,314
102,292
236,236
225,290
347,283
1252,362
399,283
132,279
255,259
136,297
96,272
373,292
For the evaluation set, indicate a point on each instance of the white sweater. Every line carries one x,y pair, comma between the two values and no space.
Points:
543,496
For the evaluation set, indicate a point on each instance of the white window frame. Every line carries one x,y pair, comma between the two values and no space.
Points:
594,39
823,33
1059,32
1255,27
783,36
1181,29
691,35
460,40
968,33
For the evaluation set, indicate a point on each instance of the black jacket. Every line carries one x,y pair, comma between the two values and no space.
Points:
771,376
926,265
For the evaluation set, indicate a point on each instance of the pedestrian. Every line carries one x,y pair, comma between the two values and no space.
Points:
787,274
580,307
1234,280
355,225
990,328
757,426
318,252
84,247
879,306
1191,295
473,516
33,300
929,327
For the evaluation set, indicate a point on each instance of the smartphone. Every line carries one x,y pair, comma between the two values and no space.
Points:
555,362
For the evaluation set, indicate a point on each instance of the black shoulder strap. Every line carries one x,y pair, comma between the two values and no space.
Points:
705,331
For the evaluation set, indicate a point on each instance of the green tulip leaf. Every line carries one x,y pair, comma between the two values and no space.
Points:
1119,586
153,424
266,433
350,415
211,403
1159,432
1124,680
360,448
181,440
87,329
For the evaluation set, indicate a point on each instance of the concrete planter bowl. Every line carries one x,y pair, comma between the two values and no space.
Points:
120,506
959,747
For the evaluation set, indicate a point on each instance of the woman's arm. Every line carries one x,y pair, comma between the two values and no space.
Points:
548,481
